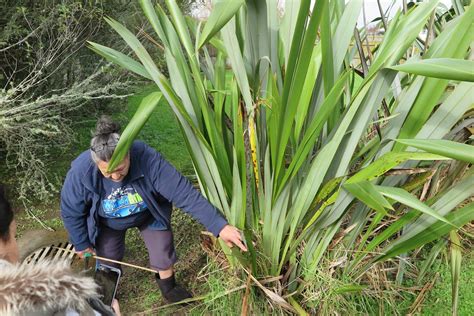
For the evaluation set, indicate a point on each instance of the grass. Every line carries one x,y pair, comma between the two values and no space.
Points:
222,295
438,301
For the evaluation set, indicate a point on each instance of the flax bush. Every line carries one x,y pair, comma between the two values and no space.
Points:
308,150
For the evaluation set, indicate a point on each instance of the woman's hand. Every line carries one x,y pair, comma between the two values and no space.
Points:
116,307
232,236
82,253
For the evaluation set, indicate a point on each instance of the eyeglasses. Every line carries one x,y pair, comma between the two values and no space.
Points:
101,147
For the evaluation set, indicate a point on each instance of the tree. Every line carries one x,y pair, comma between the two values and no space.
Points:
44,80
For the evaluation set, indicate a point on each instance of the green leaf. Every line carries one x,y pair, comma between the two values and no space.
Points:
305,101
456,257
433,232
327,51
445,204
448,114
407,199
222,12
313,130
442,68
442,147
180,27
237,211
367,193
146,107
389,161
287,26
237,61
120,59
293,87
453,42
427,265
150,13
350,288
345,30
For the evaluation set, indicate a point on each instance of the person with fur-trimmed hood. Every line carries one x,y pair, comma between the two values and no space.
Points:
44,288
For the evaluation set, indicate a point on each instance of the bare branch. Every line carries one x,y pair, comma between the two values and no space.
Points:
20,41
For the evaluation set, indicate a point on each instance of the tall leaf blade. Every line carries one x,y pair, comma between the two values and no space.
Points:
288,24
456,257
222,12
447,148
433,232
407,199
367,193
307,93
120,59
237,61
442,68
181,28
145,109
292,92
448,113
313,130
345,30
327,50
150,13
387,162
453,44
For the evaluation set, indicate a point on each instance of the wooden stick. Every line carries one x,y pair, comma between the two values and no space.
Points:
125,264
114,261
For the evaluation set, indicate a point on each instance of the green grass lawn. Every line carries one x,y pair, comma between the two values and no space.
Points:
438,300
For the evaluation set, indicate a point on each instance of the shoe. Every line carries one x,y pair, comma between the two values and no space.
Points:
171,291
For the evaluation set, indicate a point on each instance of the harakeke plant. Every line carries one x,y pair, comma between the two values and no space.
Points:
279,124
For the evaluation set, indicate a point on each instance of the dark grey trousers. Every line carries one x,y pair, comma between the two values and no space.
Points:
111,244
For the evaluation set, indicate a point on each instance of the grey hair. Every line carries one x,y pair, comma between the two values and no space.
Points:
105,139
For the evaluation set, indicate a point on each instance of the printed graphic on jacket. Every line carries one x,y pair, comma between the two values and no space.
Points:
123,202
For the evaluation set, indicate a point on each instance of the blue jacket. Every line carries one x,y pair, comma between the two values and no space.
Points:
155,179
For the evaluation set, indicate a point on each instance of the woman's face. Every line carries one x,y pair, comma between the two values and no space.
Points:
9,249
119,173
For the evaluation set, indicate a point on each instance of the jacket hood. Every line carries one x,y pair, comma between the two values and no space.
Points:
44,286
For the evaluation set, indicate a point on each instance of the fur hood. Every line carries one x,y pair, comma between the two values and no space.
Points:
45,287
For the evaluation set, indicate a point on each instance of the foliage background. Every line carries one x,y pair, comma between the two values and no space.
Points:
51,85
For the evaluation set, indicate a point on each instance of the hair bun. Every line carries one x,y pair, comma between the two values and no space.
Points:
105,126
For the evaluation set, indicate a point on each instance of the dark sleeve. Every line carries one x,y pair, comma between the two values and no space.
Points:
74,211
176,188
